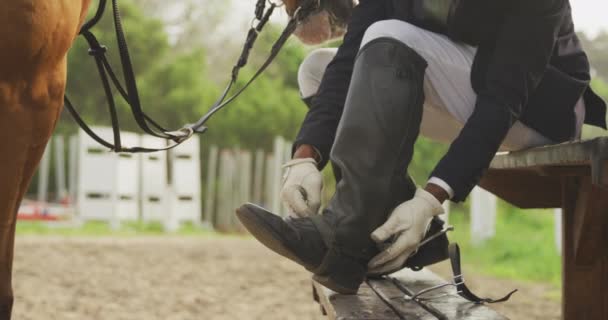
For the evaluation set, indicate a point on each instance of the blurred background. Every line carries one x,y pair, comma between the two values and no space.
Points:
104,236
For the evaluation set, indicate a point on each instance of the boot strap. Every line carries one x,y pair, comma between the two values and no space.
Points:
461,287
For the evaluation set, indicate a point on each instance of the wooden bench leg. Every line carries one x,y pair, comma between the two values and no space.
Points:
585,250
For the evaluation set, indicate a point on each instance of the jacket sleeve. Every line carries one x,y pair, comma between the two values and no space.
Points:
514,63
321,122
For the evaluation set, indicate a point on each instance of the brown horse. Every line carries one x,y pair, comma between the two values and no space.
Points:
35,36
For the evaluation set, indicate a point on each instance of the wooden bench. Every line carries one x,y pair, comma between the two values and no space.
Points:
389,299
572,176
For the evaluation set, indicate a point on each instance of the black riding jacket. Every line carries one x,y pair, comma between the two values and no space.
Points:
529,67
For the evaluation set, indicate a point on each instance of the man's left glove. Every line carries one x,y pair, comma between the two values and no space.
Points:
407,224
302,185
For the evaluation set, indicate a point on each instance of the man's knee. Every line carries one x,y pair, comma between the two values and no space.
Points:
402,31
312,69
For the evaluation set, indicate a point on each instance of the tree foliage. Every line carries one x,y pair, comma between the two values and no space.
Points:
177,86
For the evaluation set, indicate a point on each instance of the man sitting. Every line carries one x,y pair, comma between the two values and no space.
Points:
483,75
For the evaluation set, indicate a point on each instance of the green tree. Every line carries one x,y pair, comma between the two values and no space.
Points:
177,87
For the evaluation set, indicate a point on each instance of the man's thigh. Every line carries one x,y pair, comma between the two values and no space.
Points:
450,98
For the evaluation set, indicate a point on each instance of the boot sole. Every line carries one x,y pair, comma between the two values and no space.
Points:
270,239
327,282
267,236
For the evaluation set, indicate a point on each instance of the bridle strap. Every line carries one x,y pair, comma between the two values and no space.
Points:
130,93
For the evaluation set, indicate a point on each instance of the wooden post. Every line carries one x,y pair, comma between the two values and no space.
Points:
279,151
269,192
60,180
258,177
584,254
209,215
286,157
225,197
73,168
243,186
43,175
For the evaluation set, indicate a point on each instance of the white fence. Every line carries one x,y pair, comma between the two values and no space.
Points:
161,186
154,191
96,196
166,187
128,187
243,176
185,195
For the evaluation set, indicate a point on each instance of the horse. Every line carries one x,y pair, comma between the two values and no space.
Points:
35,37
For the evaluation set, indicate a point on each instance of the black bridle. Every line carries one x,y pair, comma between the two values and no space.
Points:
130,93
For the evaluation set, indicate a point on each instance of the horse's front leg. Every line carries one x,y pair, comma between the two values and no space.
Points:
35,36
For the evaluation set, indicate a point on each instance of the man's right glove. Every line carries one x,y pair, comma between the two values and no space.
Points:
302,184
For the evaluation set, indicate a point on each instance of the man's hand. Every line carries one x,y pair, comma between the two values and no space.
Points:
302,184
407,224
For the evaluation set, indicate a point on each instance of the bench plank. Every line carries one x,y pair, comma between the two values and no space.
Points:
532,178
589,152
365,305
382,299
450,305
407,309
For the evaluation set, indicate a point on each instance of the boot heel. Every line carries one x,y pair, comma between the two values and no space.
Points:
341,273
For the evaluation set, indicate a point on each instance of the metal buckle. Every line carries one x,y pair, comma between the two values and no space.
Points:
181,134
456,282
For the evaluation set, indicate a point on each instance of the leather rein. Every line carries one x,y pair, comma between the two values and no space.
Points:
130,93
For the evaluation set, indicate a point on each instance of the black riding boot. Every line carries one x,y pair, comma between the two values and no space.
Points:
373,148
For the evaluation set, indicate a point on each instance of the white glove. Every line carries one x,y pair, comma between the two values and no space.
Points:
302,184
408,223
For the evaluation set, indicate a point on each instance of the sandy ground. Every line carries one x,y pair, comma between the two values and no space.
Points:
188,278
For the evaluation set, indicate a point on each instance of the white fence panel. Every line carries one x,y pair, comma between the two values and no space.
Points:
483,215
154,191
96,192
127,179
186,181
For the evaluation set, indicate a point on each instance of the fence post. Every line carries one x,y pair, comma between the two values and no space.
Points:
558,229
43,174
446,215
60,182
73,168
243,183
208,217
279,151
225,196
258,177
269,187
483,216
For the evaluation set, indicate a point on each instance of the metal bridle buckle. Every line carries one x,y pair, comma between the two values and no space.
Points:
181,134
